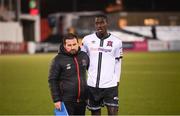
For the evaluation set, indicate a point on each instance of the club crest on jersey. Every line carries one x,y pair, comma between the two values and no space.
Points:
68,66
109,43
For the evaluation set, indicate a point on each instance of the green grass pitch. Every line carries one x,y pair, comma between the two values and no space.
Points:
150,84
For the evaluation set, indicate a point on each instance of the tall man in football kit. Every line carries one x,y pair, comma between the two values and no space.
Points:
105,53
67,76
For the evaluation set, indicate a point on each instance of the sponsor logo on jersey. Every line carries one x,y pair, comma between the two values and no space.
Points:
93,42
104,50
100,49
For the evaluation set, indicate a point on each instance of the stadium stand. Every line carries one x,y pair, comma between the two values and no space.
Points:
164,33
127,37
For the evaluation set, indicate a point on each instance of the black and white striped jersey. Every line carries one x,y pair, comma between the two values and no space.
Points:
105,60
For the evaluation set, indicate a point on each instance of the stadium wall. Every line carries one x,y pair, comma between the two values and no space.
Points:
151,46
11,32
12,48
137,46
155,45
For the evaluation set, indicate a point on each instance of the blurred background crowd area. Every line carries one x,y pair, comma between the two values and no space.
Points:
32,26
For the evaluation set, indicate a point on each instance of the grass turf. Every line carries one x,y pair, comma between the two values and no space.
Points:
150,84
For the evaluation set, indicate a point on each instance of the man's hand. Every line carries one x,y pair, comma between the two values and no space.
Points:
117,83
58,105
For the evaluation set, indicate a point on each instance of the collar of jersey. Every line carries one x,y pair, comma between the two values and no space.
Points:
103,37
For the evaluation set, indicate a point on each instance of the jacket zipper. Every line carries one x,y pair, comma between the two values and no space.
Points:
79,82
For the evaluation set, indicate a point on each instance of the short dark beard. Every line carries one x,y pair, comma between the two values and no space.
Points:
73,52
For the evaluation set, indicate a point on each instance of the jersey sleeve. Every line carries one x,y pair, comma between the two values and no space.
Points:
118,57
84,46
119,51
